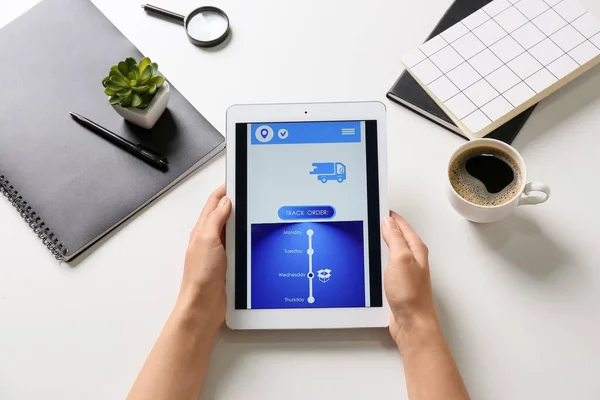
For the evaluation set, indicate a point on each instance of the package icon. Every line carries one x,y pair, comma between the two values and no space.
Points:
324,275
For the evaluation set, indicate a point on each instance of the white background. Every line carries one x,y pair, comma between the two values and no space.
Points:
519,300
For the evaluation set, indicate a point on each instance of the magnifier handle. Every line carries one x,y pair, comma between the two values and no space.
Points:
164,13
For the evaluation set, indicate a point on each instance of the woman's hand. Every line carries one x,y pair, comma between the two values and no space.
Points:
177,365
407,281
203,284
429,368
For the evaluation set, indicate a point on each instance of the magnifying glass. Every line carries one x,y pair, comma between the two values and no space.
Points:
205,26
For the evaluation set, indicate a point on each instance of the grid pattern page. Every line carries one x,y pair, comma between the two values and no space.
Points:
492,63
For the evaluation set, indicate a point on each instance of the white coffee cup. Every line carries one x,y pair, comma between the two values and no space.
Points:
531,193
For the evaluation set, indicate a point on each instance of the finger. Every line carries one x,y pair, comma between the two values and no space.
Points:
211,204
394,238
416,245
216,220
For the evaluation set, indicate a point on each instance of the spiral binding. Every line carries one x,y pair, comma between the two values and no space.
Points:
59,251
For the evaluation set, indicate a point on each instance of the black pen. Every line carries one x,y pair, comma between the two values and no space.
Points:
143,153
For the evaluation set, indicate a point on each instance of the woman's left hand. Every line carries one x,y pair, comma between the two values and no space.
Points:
203,284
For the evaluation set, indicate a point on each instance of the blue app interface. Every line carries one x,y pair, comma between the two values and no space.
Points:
307,215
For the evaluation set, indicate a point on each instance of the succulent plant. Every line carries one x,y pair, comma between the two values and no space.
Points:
131,85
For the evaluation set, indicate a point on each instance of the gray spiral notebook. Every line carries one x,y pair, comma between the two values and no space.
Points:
71,186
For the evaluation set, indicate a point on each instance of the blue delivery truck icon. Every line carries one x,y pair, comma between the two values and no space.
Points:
329,171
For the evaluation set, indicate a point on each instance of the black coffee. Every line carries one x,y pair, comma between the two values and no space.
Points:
485,176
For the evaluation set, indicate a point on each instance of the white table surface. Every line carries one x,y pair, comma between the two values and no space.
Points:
519,300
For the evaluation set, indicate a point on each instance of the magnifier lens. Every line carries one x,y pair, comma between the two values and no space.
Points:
206,26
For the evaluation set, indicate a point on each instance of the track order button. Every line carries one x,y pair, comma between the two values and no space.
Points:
306,212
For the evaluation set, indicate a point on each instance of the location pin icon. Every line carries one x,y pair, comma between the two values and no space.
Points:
264,133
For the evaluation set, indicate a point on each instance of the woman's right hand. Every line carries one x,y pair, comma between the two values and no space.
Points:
407,280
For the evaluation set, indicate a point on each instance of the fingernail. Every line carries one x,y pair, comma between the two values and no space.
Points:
223,201
390,223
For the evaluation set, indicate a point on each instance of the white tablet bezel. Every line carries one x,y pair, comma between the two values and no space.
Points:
304,318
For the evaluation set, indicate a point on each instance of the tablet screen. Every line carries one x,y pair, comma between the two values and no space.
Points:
307,199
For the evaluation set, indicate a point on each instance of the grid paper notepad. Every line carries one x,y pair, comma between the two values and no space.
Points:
505,57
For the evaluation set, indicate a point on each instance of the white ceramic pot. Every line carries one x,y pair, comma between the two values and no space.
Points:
147,117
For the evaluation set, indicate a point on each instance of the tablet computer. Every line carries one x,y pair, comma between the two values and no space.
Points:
308,183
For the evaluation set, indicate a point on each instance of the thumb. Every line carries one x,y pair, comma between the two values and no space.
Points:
216,220
393,236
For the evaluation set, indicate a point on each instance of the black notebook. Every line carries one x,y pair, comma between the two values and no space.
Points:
71,186
408,93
